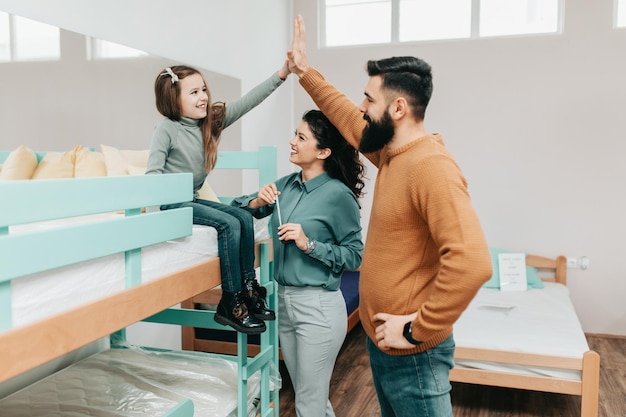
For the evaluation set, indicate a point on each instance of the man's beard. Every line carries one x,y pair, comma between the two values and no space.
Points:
376,134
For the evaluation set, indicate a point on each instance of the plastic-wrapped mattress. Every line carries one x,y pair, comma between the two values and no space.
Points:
135,382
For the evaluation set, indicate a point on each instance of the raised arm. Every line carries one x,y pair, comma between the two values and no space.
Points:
236,109
340,110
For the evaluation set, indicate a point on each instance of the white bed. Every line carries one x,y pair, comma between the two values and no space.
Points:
536,321
528,339
44,294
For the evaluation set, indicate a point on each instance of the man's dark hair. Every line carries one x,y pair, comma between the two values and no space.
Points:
407,76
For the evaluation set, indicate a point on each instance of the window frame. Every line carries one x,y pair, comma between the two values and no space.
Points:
473,35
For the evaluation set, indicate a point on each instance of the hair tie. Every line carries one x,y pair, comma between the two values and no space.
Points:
168,71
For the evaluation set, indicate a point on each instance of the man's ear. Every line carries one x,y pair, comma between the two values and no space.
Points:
398,108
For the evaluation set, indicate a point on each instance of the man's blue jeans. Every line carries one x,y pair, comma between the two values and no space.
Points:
414,385
235,238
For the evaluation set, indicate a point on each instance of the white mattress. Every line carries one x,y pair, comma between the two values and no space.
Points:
43,294
135,382
540,321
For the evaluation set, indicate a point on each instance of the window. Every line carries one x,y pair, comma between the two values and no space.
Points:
24,39
514,17
359,22
101,49
360,14
434,19
620,13
5,38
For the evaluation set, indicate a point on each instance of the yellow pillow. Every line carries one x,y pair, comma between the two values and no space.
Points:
117,161
206,192
19,165
135,170
89,164
57,165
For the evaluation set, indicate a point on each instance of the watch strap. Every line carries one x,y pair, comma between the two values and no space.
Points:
408,333
310,246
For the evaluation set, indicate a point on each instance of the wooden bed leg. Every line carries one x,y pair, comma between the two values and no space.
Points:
590,384
188,334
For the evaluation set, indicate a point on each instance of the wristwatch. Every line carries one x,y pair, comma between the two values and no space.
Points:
408,333
310,246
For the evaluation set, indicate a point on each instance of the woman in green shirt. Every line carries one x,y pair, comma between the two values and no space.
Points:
315,213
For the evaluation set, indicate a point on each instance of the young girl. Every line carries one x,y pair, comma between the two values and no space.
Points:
186,141
320,223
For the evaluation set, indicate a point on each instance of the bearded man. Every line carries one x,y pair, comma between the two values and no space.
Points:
425,256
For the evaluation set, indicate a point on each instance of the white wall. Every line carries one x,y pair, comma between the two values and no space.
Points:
537,125
225,37
534,122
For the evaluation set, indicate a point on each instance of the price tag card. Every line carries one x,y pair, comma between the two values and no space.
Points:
512,268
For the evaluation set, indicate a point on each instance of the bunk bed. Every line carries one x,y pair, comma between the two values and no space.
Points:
529,339
101,230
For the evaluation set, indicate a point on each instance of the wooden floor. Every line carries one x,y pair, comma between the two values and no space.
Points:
352,392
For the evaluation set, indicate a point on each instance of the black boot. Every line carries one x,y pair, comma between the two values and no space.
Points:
233,311
258,294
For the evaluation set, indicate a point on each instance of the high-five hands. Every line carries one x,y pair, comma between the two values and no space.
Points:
297,54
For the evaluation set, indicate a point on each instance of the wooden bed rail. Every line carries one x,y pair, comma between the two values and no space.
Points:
587,387
61,333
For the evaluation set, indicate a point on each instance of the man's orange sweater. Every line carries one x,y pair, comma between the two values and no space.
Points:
425,249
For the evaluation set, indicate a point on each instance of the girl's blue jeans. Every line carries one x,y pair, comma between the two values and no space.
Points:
415,385
235,238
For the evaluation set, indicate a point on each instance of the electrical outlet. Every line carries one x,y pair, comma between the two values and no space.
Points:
584,263
572,262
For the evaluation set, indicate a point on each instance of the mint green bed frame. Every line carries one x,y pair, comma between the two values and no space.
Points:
24,254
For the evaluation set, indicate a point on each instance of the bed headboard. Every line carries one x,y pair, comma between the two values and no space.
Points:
550,269
263,160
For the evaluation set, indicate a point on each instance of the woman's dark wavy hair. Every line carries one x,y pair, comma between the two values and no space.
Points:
167,94
408,76
343,163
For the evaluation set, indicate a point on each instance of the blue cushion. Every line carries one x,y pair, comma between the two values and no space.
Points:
532,273
350,289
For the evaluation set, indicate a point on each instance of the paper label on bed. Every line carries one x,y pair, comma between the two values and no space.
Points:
512,268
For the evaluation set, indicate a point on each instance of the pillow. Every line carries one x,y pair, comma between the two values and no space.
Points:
206,192
19,165
117,161
532,274
89,164
56,165
135,170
